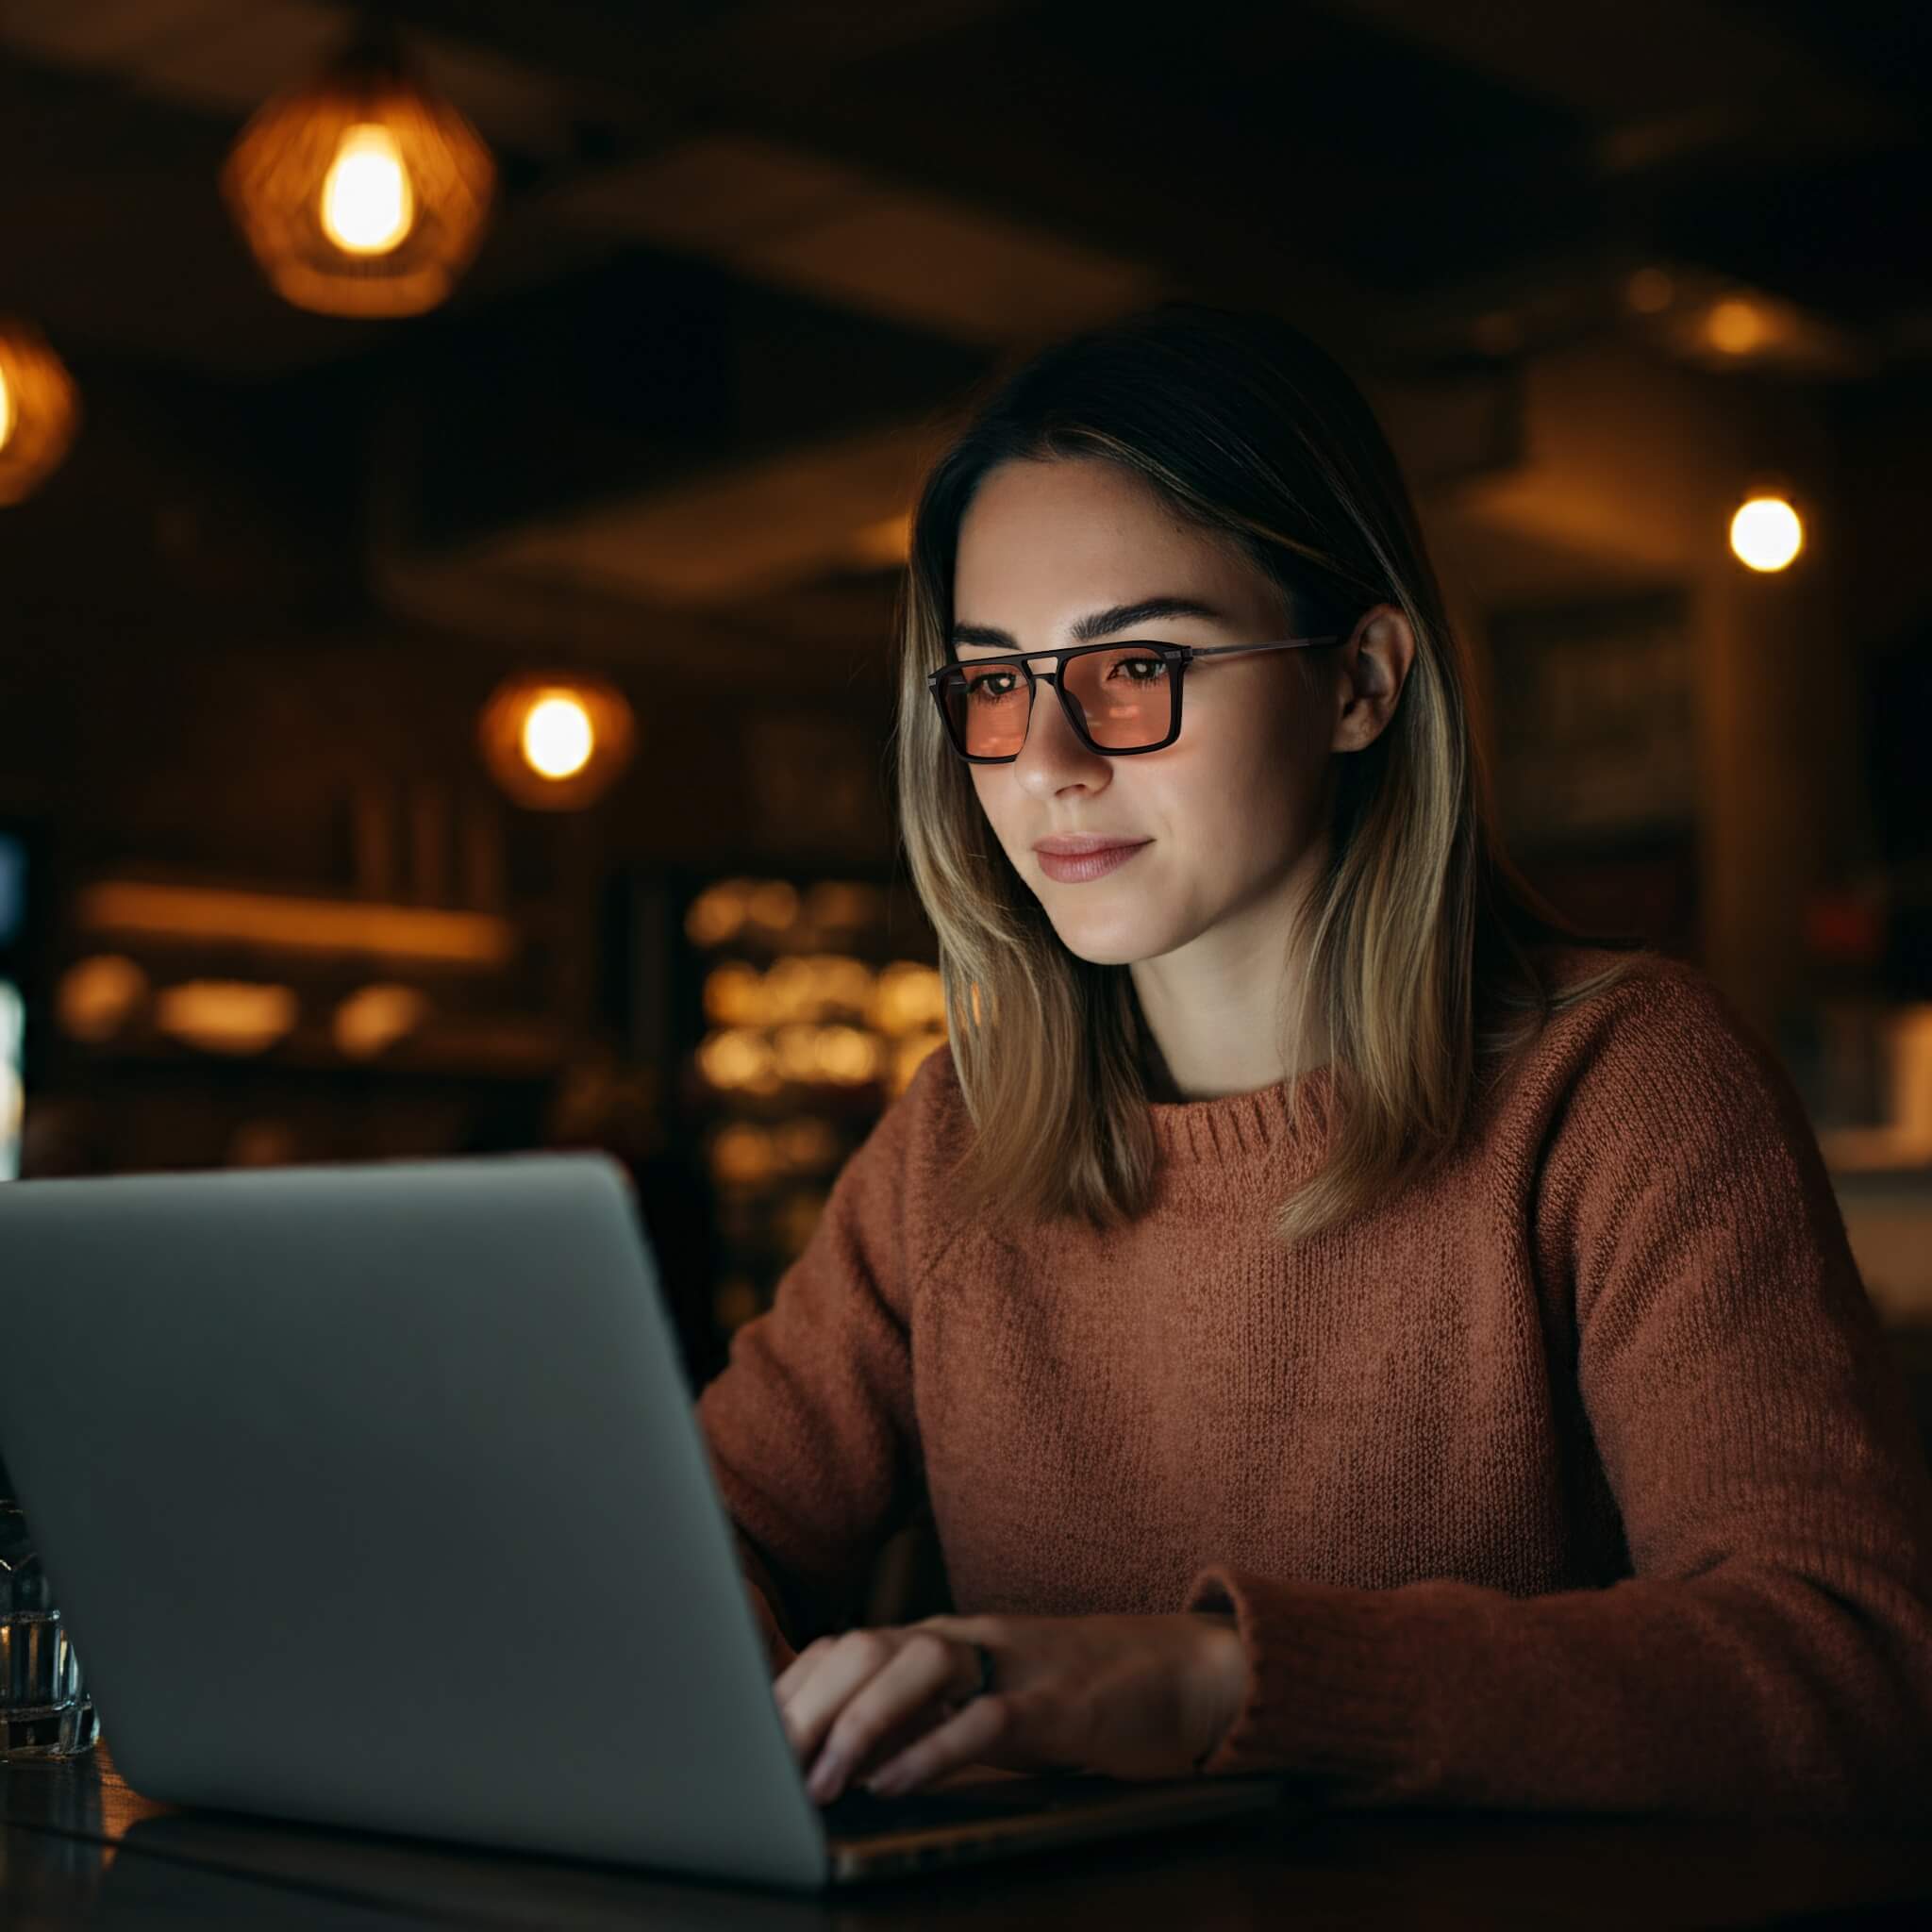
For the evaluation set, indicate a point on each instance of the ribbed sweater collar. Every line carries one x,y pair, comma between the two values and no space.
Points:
1237,1126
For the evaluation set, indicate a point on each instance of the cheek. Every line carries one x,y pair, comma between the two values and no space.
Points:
1252,779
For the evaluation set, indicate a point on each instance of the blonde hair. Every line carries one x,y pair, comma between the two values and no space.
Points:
1418,931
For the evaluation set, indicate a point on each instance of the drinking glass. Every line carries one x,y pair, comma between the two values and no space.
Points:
45,1709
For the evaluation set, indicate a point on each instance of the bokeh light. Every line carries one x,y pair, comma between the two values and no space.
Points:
373,1018
98,996
40,409
1736,327
1766,533
556,743
558,737
227,1016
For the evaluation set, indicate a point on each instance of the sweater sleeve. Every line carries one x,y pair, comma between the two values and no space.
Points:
1772,1650
810,1425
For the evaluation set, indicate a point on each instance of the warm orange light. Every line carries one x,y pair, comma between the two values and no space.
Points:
558,737
285,923
910,997
38,410
373,1018
227,1015
774,904
717,913
98,996
1766,533
360,194
1736,327
367,203
556,744
886,544
739,1060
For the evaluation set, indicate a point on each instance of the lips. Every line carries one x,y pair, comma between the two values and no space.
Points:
1083,845
1072,869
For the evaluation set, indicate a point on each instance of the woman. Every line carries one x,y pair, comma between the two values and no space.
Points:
1345,1326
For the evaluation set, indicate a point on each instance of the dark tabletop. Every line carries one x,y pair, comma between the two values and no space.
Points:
77,1847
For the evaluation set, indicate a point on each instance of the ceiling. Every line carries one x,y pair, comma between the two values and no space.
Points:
748,252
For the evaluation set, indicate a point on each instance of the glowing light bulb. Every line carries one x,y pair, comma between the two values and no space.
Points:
556,740
6,411
558,737
1766,533
368,206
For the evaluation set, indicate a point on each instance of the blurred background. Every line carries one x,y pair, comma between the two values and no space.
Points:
454,470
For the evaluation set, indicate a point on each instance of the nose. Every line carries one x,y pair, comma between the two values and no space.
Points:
1053,757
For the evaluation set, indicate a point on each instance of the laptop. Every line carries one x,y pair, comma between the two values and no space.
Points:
374,1496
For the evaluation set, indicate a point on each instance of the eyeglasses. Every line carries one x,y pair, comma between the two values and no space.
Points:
1120,699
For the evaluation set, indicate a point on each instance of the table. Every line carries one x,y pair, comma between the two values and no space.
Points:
77,1847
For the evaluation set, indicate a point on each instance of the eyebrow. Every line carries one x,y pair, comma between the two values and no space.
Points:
1096,623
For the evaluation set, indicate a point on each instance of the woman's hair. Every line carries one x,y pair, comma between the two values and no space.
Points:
1418,932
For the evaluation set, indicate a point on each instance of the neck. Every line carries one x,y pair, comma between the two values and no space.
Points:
1224,1065
1212,1014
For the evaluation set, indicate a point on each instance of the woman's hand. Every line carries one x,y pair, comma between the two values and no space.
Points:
1129,1697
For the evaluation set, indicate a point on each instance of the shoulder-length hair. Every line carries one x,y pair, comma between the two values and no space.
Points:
1421,931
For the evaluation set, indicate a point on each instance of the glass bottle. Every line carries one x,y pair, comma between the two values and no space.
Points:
45,1709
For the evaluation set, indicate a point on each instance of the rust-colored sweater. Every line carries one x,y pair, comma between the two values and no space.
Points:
1577,1477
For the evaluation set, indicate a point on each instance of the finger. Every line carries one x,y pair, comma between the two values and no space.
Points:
895,1738
925,1670
798,1669
966,1737
847,1662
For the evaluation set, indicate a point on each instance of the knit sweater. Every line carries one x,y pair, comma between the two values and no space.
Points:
1577,1476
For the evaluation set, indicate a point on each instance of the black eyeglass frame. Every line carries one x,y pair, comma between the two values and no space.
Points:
1177,656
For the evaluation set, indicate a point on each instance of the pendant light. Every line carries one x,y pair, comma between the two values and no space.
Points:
40,409
362,192
555,741
1766,531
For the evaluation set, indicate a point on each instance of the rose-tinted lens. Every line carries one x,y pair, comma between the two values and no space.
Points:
988,708
1126,697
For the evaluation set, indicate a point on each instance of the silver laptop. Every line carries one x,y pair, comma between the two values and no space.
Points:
374,1496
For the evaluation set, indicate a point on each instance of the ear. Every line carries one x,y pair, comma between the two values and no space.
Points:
1374,667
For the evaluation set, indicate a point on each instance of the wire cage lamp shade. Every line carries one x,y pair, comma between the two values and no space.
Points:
362,192
40,409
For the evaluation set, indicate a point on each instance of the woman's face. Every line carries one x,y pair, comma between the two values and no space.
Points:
1235,810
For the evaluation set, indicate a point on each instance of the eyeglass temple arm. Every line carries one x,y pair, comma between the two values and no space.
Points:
1193,651
1281,644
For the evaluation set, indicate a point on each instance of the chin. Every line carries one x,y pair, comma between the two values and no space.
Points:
1122,946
